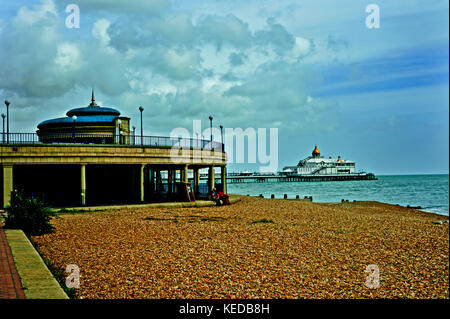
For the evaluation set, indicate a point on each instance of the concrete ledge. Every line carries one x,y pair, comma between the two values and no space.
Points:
37,281
199,203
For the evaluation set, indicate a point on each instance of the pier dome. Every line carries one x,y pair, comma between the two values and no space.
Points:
89,124
316,152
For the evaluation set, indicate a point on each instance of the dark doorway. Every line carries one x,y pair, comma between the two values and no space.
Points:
55,185
112,184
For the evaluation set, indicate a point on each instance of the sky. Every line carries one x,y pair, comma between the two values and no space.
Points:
311,69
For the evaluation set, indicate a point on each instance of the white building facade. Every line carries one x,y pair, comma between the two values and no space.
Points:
319,165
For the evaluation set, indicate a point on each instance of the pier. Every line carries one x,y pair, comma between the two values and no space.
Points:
312,178
235,178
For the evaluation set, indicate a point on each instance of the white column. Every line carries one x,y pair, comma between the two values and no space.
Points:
196,180
7,184
83,184
142,182
223,177
185,173
211,178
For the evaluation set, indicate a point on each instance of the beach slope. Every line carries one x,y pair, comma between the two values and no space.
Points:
256,248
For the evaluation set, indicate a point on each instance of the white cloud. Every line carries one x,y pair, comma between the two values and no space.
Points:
153,7
68,57
100,31
26,16
169,63
250,64
181,63
224,30
302,48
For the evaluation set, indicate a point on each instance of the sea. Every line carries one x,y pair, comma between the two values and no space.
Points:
430,192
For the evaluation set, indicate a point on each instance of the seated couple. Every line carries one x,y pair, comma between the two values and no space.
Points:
219,197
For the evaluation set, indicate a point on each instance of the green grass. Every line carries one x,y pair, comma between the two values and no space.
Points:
263,220
188,218
60,277
204,219
157,218
58,274
76,211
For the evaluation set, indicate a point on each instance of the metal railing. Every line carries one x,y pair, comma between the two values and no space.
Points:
102,139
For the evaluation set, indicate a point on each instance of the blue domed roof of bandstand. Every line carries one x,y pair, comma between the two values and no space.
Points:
92,111
89,114
95,119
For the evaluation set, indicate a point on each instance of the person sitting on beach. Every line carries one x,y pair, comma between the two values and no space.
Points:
219,197
223,198
214,195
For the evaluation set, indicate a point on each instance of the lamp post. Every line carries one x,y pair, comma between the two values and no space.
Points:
7,103
134,135
197,138
221,135
119,131
3,135
74,119
210,121
142,128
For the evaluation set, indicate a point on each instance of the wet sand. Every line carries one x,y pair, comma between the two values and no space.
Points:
256,248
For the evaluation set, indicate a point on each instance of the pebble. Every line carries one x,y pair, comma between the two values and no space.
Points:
313,250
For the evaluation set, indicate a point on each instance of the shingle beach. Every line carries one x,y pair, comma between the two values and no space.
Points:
256,248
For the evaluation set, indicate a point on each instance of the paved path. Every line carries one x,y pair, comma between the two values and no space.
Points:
10,286
37,281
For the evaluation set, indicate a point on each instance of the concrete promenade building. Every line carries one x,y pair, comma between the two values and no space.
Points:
92,157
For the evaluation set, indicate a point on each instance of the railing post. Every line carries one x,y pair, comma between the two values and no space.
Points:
76,137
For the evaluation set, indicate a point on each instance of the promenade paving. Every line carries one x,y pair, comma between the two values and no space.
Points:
10,286
197,203
36,280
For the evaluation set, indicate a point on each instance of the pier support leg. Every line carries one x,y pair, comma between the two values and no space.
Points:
223,177
7,184
211,178
142,183
169,181
158,181
185,173
196,181
174,180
